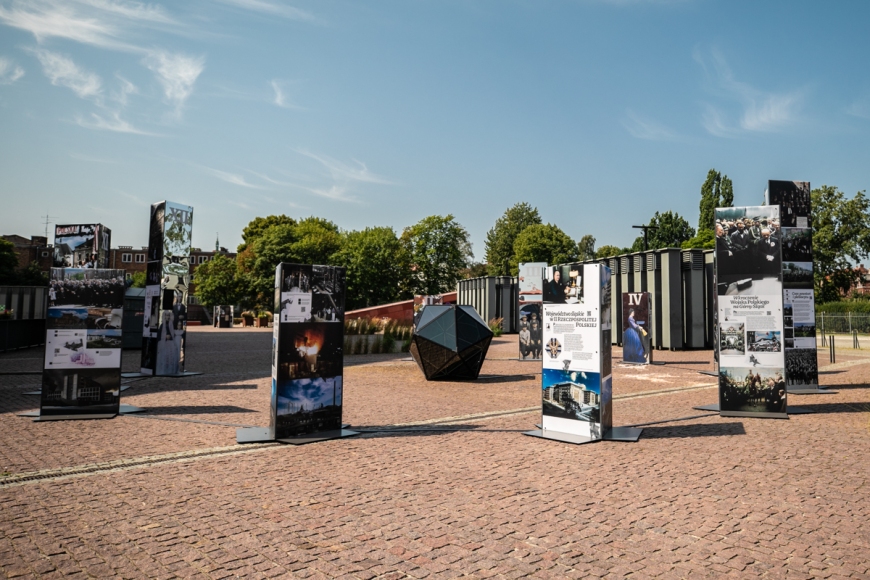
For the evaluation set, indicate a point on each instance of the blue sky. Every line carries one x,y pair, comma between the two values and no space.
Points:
383,112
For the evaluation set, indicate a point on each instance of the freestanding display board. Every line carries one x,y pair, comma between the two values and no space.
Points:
750,312
167,280
577,370
636,329
223,316
81,376
82,246
530,302
799,315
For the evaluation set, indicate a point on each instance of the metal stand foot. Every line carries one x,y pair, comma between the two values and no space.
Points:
629,434
144,376
318,437
558,436
713,407
128,409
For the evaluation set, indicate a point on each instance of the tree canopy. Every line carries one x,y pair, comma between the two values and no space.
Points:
717,191
499,244
586,248
544,243
437,248
258,225
217,282
671,231
377,267
841,232
610,251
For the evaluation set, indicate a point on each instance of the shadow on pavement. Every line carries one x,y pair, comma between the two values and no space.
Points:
695,430
197,410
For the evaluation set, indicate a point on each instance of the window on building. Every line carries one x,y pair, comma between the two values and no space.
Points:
203,259
126,257
140,258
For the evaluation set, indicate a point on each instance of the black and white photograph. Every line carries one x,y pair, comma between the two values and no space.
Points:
788,321
797,244
310,350
795,200
787,309
296,278
81,246
328,286
748,250
797,275
223,316
732,339
752,390
80,391
86,287
177,235
308,405
801,367
764,341
530,331
155,232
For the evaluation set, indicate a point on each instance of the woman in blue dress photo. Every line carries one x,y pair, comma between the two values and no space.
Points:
632,341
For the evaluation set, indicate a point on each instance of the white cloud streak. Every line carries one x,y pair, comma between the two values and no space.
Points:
177,73
62,71
111,122
280,97
270,8
9,71
761,111
233,178
648,129
346,173
127,88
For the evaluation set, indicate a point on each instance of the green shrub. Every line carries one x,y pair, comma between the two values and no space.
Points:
406,346
495,325
389,343
844,306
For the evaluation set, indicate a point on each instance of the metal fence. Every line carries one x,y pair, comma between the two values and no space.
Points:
843,323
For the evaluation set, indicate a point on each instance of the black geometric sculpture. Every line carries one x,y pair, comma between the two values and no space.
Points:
450,342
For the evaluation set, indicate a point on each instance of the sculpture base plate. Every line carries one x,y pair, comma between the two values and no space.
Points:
629,434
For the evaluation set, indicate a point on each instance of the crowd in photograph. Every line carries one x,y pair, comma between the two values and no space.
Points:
801,367
107,293
797,275
750,245
752,391
797,244
793,204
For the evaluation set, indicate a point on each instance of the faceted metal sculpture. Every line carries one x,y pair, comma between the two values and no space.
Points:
450,342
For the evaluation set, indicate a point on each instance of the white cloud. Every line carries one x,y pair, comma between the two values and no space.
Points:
647,128
760,111
233,178
126,88
113,122
280,97
62,71
9,72
177,73
132,10
342,172
271,8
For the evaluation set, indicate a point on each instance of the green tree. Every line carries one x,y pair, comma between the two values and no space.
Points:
377,267
671,231
704,240
139,280
841,232
586,248
610,251
8,263
474,270
499,244
317,240
217,281
544,243
438,249
717,191
258,225
32,276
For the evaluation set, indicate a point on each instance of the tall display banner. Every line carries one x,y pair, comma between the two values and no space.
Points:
167,281
81,377
223,316
750,312
307,357
799,313
82,246
636,327
577,369
530,302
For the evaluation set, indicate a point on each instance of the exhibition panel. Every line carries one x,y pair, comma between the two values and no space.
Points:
82,246
636,327
530,281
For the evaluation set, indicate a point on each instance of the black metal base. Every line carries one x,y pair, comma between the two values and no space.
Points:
811,391
710,373
144,376
266,435
128,409
559,436
628,434
39,393
788,411
37,417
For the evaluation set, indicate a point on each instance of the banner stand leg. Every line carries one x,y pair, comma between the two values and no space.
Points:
627,434
129,409
559,436
266,435
789,409
144,376
713,407
39,392
819,391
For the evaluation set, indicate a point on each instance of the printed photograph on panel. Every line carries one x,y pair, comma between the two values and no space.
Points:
327,300
805,330
556,288
794,199
531,333
801,367
797,275
310,350
764,341
308,405
635,327
732,341
86,287
752,390
748,250
797,245
571,394
81,246
606,298
177,233
70,391
66,317
155,233
530,281
296,295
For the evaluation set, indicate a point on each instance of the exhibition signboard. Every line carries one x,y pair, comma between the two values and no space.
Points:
636,329
223,316
82,246
749,282
530,300
799,314
307,350
81,375
167,281
576,375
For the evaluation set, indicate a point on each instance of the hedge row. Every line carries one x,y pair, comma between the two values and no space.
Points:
844,306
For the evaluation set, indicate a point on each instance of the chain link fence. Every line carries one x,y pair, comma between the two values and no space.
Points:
843,323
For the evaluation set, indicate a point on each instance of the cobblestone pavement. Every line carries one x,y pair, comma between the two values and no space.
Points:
458,491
